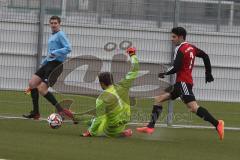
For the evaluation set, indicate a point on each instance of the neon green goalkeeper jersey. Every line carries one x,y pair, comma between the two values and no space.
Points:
113,105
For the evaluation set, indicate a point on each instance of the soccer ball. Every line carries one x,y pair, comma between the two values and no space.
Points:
55,121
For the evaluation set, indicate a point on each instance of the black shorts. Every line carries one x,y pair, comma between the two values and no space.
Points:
50,72
182,90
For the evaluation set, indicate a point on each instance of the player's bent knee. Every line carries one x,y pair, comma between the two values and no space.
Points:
43,89
192,110
193,107
162,97
32,83
159,99
42,92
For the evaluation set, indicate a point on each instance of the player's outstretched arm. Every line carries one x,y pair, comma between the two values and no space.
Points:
207,64
176,66
127,81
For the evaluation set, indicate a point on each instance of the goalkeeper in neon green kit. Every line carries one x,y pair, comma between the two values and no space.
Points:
113,105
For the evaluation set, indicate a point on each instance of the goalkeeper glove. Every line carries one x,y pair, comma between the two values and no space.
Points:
131,51
209,77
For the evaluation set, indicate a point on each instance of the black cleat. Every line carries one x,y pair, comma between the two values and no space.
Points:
32,115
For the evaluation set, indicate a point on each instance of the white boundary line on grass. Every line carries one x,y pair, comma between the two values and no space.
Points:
137,124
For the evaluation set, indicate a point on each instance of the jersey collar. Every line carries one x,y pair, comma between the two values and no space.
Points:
55,32
176,49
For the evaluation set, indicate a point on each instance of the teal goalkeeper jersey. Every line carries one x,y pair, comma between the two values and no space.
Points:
113,105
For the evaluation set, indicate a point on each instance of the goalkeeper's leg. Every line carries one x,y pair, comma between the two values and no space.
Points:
117,131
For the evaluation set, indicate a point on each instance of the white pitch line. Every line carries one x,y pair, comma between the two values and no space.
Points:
137,124
22,118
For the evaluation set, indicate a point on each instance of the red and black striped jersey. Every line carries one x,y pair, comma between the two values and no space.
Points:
185,55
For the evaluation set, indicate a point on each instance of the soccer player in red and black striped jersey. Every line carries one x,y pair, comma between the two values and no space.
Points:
185,54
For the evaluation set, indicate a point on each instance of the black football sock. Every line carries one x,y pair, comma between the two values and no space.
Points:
50,97
203,113
35,98
157,110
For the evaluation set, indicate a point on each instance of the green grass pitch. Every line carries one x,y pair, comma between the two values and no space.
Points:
34,140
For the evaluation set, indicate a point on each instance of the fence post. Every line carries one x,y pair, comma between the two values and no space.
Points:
219,16
40,33
230,23
176,12
64,8
175,24
159,20
99,11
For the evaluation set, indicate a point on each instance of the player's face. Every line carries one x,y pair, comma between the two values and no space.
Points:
176,40
103,86
55,25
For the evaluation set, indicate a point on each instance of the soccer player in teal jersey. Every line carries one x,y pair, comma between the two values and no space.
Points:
113,105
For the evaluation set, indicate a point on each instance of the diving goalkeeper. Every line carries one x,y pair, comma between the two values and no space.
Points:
113,104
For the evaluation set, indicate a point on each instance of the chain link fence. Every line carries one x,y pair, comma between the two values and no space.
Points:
100,30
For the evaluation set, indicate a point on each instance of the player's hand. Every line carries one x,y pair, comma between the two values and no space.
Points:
209,77
131,51
161,75
86,134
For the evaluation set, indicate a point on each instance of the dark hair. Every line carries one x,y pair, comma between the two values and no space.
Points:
106,78
180,31
55,17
